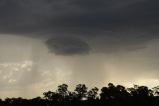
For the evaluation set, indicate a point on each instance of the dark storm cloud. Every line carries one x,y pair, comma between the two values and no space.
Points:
107,24
67,46
32,15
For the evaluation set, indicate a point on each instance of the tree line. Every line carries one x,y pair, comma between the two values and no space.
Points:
111,95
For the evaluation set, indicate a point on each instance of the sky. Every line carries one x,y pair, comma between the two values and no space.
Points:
44,43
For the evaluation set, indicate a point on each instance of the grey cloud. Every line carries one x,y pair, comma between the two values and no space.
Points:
32,15
123,41
68,46
107,24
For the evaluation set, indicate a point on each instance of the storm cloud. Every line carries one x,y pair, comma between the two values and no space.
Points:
107,25
67,46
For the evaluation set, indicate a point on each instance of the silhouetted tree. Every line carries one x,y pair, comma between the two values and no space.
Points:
156,91
112,95
140,91
114,92
92,94
81,90
63,90
52,96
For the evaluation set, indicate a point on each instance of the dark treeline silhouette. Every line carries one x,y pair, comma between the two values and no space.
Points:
112,95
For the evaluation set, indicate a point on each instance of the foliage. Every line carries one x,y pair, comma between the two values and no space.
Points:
111,95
